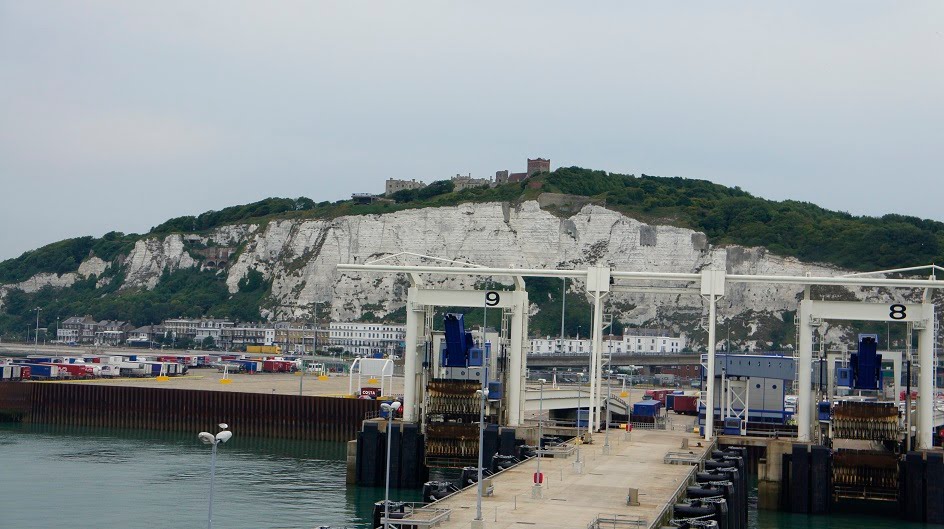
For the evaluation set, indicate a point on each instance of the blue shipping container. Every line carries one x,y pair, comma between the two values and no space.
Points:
647,408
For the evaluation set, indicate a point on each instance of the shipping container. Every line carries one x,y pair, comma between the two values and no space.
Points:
36,359
278,366
263,349
685,404
657,394
647,408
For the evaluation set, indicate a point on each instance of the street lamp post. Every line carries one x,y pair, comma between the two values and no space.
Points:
537,491
209,439
482,392
609,373
391,409
479,523
578,465
36,338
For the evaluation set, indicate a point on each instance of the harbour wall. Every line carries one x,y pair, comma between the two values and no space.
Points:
251,414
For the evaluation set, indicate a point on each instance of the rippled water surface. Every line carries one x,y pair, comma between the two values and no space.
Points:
84,478
57,478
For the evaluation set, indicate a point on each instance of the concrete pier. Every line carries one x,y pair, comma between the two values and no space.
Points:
635,460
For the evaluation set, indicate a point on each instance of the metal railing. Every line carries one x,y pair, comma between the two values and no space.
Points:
616,521
417,514
681,458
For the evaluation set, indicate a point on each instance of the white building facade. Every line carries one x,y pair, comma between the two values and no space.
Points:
367,338
641,342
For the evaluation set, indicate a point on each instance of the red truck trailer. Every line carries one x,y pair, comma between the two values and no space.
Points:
685,404
657,394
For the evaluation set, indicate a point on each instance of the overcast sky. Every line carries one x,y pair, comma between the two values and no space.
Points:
120,115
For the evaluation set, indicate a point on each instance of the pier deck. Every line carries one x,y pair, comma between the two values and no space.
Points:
574,500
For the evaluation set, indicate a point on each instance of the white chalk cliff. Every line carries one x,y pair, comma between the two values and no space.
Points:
300,257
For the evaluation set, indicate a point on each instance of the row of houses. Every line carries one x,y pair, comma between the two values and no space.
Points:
356,338
639,341
351,337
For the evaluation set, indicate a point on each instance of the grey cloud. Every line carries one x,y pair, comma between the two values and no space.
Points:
117,115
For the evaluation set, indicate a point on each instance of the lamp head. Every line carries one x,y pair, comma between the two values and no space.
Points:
206,438
223,426
542,381
224,436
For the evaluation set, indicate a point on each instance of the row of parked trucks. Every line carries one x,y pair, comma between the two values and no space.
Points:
48,367
238,364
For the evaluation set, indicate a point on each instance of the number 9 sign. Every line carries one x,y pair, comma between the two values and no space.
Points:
492,298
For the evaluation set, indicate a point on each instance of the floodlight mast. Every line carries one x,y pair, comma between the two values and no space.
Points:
209,439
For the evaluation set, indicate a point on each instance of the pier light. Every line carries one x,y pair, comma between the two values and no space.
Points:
209,439
537,491
391,409
482,394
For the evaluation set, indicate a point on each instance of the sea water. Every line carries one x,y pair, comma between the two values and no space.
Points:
74,478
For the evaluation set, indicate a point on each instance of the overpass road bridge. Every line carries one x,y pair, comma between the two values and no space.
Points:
568,397
580,360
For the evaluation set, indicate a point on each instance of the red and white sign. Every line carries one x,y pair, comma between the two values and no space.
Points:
539,477
370,392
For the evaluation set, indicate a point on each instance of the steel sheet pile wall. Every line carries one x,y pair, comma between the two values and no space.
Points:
250,414
14,400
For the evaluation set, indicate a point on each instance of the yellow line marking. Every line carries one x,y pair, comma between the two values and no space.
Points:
116,379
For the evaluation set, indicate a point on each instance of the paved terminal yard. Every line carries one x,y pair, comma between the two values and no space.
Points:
277,383
576,500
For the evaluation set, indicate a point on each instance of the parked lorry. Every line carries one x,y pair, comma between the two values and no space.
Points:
133,369
683,404
76,370
45,371
14,372
657,394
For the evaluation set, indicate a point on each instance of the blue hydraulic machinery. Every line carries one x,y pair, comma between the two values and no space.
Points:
867,364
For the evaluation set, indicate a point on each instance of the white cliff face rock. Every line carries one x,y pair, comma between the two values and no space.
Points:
93,266
232,235
40,281
300,256
150,257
